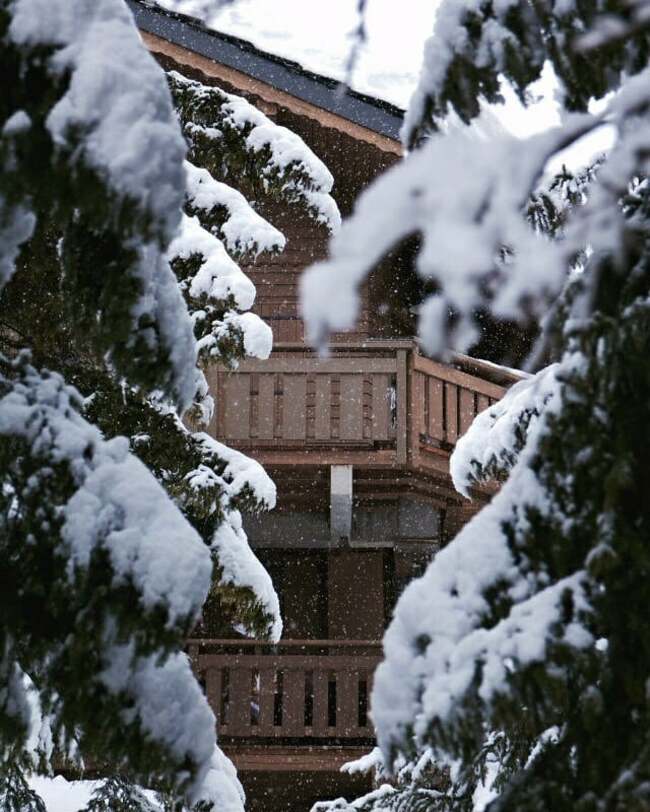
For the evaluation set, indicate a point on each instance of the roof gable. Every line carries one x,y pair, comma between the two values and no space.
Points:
188,33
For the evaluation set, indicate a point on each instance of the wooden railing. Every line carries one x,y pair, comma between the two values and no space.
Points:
380,403
297,690
299,398
445,400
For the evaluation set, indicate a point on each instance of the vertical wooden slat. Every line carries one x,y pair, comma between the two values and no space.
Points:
351,426
380,407
236,396
294,423
402,404
416,414
322,408
482,403
347,699
436,428
265,407
267,701
466,409
451,412
213,692
240,701
293,716
321,679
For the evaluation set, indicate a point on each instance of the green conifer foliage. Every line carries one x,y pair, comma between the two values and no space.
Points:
15,793
118,521
529,624
115,794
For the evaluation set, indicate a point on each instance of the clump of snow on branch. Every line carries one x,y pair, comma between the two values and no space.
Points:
410,784
241,567
462,233
16,227
127,134
221,787
131,137
40,742
243,230
117,509
218,277
243,472
238,564
492,444
217,284
165,698
477,244
437,637
118,504
284,157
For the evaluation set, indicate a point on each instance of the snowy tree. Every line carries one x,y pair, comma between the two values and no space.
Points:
531,622
119,282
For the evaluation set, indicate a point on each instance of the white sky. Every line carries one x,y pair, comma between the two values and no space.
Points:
318,35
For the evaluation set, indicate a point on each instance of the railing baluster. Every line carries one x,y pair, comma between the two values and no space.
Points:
482,403
347,702
267,700
436,427
213,692
451,412
466,410
240,701
320,726
294,696
293,720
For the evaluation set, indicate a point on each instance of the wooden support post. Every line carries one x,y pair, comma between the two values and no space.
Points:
347,702
320,726
293,717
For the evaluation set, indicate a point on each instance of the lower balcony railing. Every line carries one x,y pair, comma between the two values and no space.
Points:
298,690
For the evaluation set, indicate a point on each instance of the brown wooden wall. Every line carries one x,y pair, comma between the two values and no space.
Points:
277,277
356,594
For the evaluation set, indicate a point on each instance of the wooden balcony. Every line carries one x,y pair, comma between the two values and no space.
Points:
297,691
379,404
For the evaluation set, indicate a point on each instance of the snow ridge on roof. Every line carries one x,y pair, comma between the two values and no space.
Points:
283,74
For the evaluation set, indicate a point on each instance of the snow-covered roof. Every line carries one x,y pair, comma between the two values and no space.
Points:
284,74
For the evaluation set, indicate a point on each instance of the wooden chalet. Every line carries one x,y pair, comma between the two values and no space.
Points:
358,445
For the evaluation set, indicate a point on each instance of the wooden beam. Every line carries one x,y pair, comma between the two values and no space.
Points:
312,363
267,93
292,759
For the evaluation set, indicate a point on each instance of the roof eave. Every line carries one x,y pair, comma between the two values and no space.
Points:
287,77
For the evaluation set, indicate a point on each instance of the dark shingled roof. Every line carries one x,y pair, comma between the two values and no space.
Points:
282,74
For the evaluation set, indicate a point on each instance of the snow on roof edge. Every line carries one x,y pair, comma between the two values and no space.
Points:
284,74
